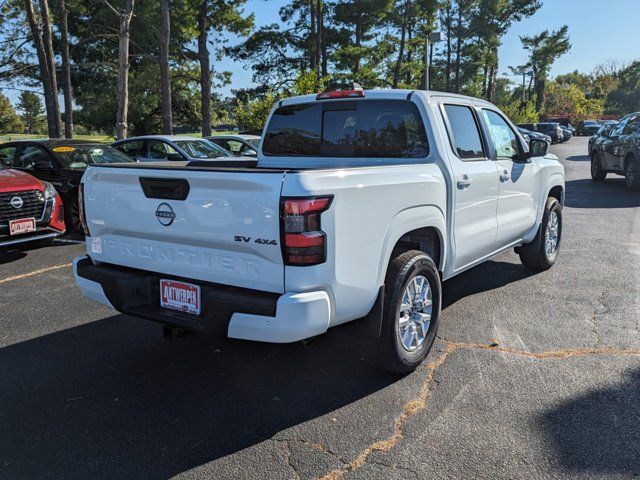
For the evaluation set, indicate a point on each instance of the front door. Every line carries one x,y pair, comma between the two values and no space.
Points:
519,189
613,146
475,186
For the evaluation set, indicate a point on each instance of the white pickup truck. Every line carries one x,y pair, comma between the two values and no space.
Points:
358,206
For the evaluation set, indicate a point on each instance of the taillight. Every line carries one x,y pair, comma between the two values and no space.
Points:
304,243
81,213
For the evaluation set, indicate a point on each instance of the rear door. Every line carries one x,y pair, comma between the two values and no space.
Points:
475,186
215,226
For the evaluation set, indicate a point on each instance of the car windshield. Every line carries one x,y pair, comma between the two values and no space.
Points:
201,149
345,129
79,156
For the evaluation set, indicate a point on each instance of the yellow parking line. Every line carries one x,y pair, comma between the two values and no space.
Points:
35,272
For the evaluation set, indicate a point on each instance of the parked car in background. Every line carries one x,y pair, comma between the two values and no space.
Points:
173,148
526,134
540,136
618,151
534,135
294,245
30,210
61,162
239,145
603,133
564,122
567,134
588,127
553,132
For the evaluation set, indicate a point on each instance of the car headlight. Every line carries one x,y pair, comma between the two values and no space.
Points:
49,191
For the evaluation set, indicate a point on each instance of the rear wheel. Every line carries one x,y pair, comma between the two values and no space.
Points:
411,312
632,174
542,252
598,174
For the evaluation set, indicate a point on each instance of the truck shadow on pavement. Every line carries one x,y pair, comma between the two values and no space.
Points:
597,433
611,193
109,399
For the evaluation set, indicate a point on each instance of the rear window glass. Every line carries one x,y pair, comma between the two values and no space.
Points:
359,128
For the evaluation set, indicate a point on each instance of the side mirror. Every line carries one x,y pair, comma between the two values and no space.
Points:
43,165
537,148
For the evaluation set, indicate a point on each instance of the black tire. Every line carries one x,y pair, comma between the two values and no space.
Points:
534,255
72,214
598,174
632,174
392,356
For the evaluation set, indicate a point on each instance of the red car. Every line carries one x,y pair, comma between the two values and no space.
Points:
30,209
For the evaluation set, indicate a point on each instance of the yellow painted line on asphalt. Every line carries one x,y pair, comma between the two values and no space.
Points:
35,272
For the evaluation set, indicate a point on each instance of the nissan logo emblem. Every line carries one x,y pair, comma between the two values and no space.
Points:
165,214
16,202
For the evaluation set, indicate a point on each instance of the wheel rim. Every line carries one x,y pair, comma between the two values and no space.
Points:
552,234
415,313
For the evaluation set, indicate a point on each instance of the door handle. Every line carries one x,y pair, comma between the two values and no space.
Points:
465,182
504,177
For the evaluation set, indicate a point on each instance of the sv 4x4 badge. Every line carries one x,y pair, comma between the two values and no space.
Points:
260,241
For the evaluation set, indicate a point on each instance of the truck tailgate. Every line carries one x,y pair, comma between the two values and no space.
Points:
219,226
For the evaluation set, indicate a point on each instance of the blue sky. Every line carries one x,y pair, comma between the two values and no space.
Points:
599,30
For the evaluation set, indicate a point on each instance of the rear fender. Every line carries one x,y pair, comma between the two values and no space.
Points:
407,221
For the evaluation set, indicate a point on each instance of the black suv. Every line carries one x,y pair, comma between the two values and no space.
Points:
61,162
619,152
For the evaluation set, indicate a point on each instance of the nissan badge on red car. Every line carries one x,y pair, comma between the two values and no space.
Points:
30,209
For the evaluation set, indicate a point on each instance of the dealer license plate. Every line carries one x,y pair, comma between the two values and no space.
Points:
180,296
22,225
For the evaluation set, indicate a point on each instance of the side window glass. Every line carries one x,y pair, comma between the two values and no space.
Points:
29,156
233,146
464,134
132,148
633,126
161,150
7,155
504,140
620,127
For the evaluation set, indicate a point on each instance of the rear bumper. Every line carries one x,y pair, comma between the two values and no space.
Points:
238,312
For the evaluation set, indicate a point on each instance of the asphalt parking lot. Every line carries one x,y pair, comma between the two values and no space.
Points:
532,376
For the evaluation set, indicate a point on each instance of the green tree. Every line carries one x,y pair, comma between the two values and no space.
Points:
30,105
569,101
357,25
252,114
491,22
302,41
625,98
9,120
544,49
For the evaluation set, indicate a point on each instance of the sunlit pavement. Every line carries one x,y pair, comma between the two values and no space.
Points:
532,376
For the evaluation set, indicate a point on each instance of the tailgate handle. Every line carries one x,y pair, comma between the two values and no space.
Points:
165,188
